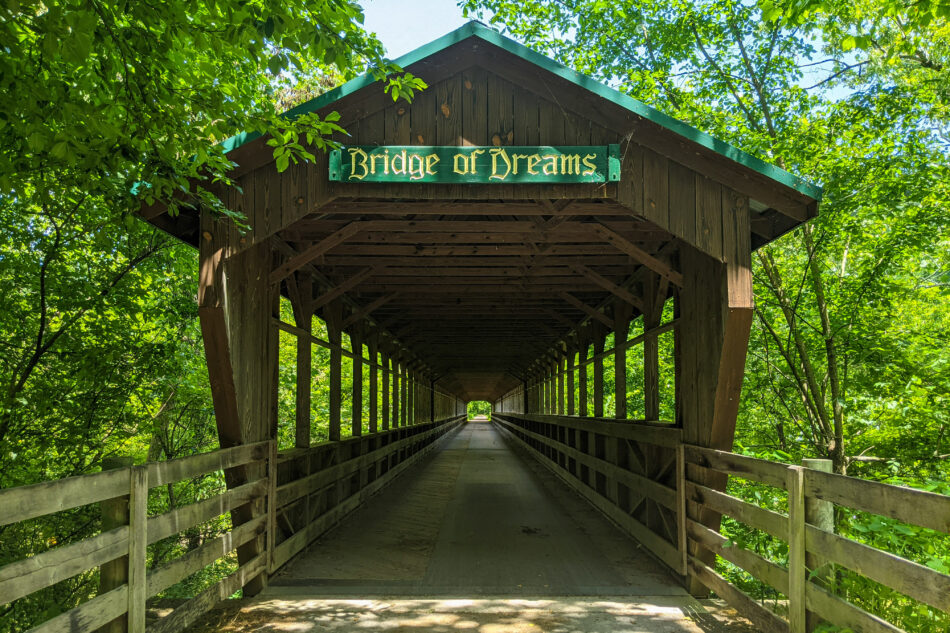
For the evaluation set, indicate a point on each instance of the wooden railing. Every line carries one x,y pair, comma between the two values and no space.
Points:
688,492
338,476
804,592
630,472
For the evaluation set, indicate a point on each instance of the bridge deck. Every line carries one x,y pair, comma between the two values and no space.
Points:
474,534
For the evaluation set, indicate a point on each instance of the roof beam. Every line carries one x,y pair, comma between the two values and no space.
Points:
586,309
364,312
609,286
337,291
302,259
622,244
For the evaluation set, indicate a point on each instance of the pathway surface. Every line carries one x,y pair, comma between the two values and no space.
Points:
475,537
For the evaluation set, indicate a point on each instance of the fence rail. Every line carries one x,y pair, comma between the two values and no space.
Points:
697,499
339,476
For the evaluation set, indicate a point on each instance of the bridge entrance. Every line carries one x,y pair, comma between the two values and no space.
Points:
518,235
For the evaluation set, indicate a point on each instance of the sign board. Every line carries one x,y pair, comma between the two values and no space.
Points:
475,165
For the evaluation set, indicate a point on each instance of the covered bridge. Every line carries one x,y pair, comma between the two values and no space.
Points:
514,234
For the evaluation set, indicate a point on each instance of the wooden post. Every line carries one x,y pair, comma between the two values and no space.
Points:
582,398
332,318
599,377
397,380
797,573
651,349
559,368
821,514
138,541
385,404
303,316
571,403
681,540
115,513
271,506
373,383
622,313
356,342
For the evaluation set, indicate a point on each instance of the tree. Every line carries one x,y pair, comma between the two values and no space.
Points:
850,95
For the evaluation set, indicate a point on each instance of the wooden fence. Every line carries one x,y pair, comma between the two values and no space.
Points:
574,448
299,494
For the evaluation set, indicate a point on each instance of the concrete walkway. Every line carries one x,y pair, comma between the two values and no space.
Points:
478,538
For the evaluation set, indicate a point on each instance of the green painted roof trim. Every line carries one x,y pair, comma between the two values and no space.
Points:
476,29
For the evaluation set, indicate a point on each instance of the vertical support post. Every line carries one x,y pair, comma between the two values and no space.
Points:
397,380
797,573
373,384
385,404
681,542
582,397
432,414
559,368
115,513
303,315
271,505
138,541
656,296
821,514
571,404
356,342
599,377
622,313
332,318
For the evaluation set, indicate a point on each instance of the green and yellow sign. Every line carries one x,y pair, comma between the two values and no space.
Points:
475,165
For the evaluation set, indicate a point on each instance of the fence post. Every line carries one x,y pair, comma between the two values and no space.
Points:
797,573
115,513
271,505
681,542
821,514
138,541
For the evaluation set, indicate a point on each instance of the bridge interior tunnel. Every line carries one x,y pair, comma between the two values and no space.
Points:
606,321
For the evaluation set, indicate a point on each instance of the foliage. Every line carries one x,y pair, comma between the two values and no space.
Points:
848,357
479,408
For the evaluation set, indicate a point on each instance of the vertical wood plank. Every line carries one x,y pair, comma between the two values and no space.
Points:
332,316
682,192
138,541
385,404
475,107
656,195
303,317
708,216
622,313
271,506
373,383
599,377
356,341
681,542
797,573
582,398
571,399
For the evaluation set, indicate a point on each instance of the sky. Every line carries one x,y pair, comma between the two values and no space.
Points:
404,25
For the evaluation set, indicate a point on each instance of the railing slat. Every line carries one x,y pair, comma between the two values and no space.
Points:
843,613
655,434
917,507
186,615
771,473
761,519
90,615
920,583
184,566
161,473
164,525
762,618
764,570
23,577
28,502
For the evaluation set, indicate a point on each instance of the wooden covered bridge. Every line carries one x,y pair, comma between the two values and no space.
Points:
518,234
